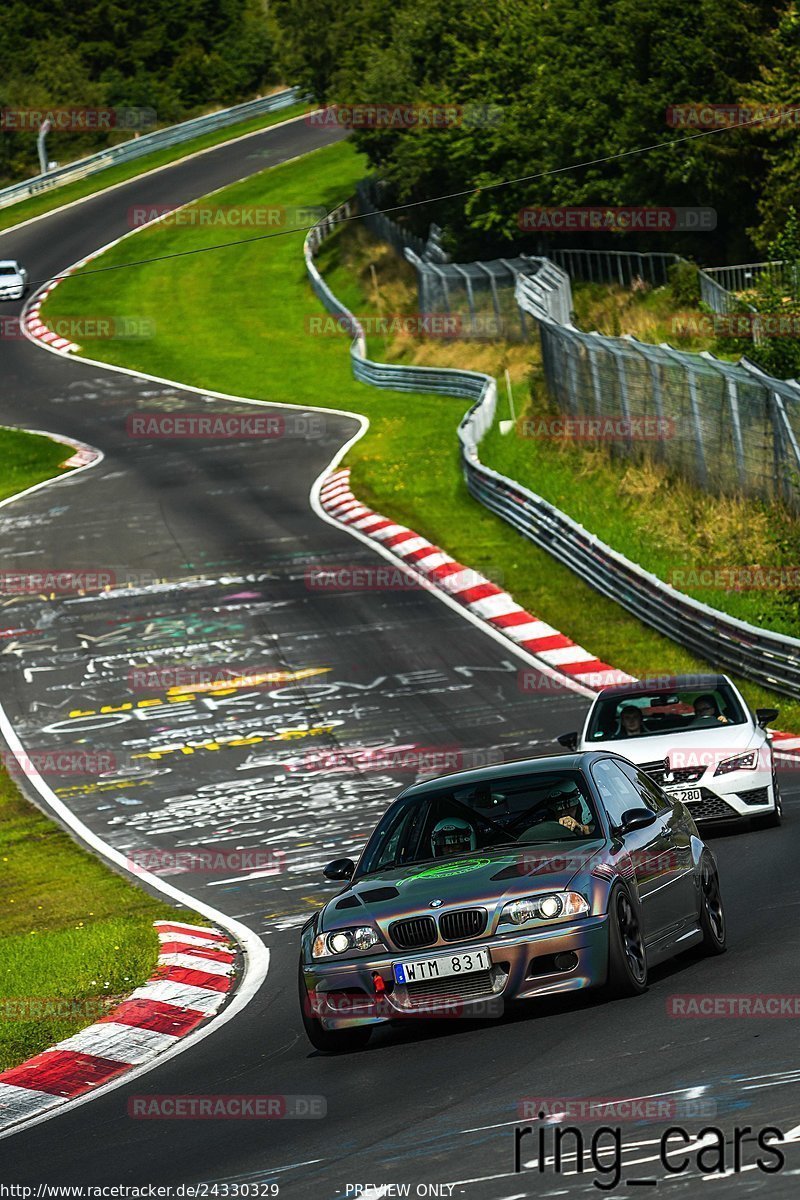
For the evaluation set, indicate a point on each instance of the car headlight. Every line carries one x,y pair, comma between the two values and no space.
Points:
550,907
363,937
741,762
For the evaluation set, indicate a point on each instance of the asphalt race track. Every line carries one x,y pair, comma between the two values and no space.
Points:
227,530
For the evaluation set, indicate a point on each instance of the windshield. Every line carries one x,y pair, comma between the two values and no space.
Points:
8,269
647,715
528,809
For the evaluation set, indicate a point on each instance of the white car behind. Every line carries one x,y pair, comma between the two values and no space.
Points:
697,738
13,280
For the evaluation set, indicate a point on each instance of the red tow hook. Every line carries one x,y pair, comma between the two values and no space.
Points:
378,984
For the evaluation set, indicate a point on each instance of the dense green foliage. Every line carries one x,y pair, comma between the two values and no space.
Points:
178,58
776,297
573,80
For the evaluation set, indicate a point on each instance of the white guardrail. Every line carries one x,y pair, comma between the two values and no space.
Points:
146,144
770,659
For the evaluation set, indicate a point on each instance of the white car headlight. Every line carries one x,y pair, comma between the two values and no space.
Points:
363,937
552,906
740,762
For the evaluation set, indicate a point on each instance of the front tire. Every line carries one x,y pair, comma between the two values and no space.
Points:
773,819
627,960
712,913
329,1041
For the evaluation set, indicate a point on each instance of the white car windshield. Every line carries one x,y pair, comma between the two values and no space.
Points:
8,269
637,714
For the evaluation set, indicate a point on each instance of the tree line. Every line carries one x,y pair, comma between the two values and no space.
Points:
565,82
174,59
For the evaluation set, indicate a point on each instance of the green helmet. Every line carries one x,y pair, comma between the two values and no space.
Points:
564,797
452,835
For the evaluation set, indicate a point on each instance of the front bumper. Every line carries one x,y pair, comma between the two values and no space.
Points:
342,994
732,797
12,293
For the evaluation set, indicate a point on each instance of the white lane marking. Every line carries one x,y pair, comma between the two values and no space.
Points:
243,878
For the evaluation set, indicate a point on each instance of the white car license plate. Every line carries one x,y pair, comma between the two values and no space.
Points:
418,970
687,795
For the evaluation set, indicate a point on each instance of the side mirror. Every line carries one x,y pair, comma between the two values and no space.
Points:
636,818
568,740
340,868
765,716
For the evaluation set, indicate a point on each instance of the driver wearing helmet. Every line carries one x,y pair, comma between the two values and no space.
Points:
564,803
452,835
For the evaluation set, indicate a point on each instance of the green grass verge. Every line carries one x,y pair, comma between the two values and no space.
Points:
236,320
27,459
662,523
74,937
23,210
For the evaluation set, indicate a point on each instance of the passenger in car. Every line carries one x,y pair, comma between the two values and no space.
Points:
631,723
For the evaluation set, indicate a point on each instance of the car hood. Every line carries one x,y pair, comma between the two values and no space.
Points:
480,879
10,281
683,749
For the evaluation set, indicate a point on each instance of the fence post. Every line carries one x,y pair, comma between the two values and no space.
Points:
572,384
697,424
785,437
622,375
598,395
738,444
702,469
658,401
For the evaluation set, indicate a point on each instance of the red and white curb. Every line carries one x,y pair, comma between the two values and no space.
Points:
35,326
483,599
190,984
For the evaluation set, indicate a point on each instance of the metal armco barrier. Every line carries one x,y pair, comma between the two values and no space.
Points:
148,142
770,659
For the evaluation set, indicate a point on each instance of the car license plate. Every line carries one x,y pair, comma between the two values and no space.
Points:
687,795
420,970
